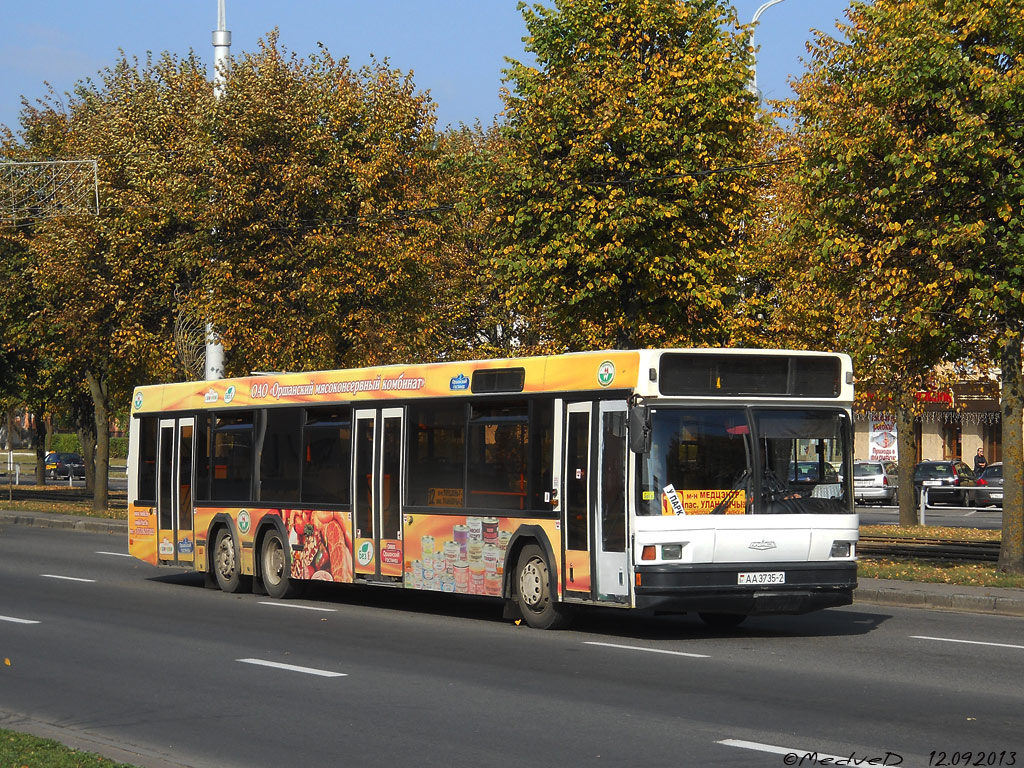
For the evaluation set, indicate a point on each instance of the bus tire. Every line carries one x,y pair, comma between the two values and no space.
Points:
533,591
722,620
275,567
226,567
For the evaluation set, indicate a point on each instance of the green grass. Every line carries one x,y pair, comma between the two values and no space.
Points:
19,750
964,574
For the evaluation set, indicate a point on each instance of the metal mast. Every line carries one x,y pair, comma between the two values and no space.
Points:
221,52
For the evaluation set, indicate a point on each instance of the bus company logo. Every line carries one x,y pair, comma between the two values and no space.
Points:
459,383
762,545
185,546
211,396
606,373
166,548
365,553
138,400
244,521
229,394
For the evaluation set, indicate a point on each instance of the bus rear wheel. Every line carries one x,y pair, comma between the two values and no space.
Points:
275,567
533,589
225,563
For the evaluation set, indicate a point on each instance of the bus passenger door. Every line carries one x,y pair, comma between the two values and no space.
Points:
176,540
377,479
576,501
609,518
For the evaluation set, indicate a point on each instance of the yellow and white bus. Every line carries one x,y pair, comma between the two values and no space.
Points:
712,481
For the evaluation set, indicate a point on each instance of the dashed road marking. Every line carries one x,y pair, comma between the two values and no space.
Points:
778,750
292,668
280,604
67,578
16,620
115,554
650,650
967,642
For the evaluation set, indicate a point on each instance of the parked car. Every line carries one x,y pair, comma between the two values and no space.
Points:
875,482
949,480
990,485
64,465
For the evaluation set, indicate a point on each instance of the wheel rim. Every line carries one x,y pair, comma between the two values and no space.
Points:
533,584
273,561
225,558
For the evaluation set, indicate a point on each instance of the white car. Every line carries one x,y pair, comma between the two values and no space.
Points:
875,482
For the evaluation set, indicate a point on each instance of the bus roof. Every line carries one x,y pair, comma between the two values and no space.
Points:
571,372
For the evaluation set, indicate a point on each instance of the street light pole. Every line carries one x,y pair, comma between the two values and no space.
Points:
221,52
753,23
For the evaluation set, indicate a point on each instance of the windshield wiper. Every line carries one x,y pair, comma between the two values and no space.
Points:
723,505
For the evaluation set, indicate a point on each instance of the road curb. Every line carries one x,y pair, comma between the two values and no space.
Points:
948,600
89,525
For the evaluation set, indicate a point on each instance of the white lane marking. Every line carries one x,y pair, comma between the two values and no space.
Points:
650,650
966,642
114,554
280,604
292,668
67,578
779,750
16,620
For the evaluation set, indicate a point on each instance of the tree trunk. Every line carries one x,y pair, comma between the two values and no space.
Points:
39,442
87,440
1011,551
906,442
98,390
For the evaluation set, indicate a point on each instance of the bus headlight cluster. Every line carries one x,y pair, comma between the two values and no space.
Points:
841,549
668,552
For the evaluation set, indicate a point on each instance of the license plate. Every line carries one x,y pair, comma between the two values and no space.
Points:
932,482
996,496
762,577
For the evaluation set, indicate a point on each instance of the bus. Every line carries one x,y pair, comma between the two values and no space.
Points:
712,481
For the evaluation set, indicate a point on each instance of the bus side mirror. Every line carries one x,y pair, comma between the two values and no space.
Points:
639,424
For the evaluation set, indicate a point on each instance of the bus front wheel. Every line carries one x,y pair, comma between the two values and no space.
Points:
533,589
274,567
225,564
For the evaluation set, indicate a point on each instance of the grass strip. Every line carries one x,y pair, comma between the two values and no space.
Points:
19,750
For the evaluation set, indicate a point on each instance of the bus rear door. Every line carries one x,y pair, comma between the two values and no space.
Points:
176,540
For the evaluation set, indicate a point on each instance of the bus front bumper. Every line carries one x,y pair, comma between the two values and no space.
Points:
717,588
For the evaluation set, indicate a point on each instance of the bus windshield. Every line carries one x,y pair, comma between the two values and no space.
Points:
739,461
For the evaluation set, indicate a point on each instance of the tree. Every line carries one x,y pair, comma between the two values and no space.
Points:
620,198
912,132
327,229
105,285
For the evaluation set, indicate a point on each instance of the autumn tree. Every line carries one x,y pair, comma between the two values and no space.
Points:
327,216
106,285
623,188
912,131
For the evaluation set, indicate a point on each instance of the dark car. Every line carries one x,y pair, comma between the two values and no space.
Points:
949,480
990,486
64,465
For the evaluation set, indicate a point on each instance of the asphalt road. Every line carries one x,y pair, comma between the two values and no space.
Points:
964,517
145,663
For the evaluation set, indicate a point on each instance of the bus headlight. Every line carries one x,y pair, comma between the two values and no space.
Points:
841,549
671,551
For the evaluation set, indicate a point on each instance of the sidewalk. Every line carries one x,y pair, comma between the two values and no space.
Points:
912,594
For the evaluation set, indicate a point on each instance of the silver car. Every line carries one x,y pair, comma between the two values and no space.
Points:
875,482
990,486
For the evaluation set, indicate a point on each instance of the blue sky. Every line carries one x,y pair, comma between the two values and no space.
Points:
456,48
